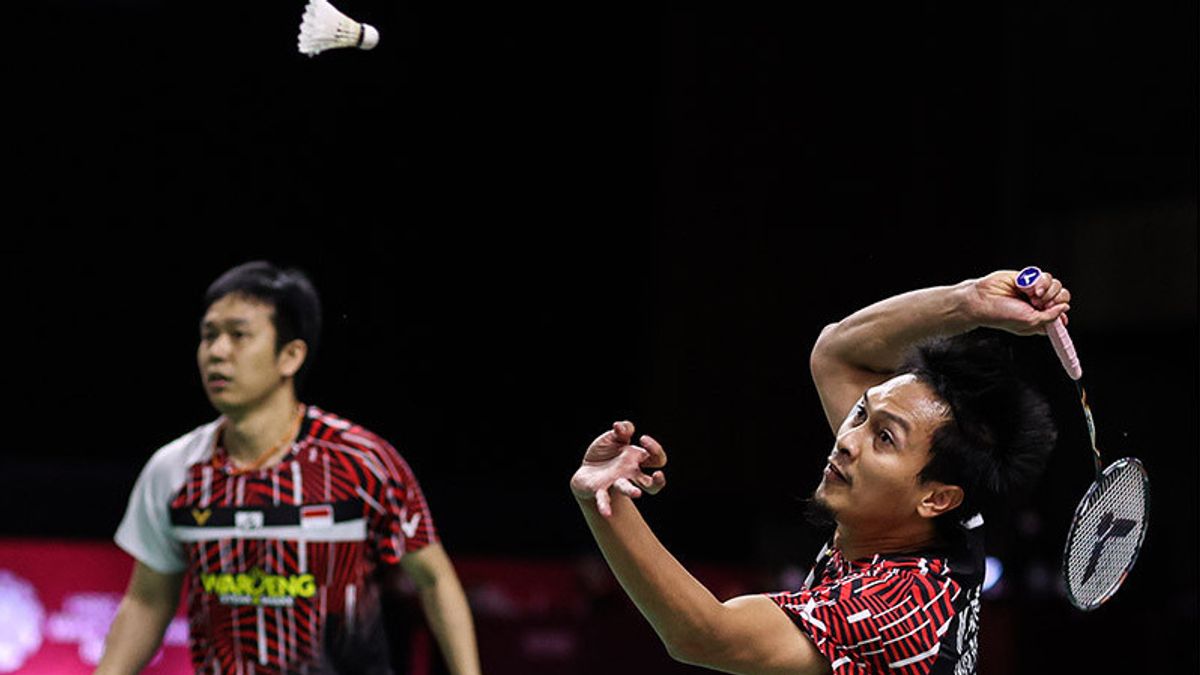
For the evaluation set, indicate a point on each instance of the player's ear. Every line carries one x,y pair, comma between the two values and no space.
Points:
291,357
939,498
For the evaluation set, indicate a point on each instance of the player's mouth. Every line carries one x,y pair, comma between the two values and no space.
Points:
833,473
217,381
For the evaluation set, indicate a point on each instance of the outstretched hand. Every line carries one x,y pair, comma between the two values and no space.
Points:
998,302
613,461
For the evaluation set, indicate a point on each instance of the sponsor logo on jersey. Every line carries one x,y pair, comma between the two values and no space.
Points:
201,517
257,587
248,520
409,525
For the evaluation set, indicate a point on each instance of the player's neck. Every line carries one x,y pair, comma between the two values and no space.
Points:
856,543
252,433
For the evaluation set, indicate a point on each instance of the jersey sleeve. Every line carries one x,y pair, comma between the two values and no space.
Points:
406,524
145,530
892,624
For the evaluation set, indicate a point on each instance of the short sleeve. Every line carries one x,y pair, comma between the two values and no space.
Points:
145,530
406,524
890,624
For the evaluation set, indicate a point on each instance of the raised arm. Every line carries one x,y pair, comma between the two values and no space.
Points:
142,618
868,346
743,635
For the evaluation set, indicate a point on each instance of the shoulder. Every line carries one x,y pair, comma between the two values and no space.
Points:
355,442
168,468
909,586
925,578
337,432
175,457
878,617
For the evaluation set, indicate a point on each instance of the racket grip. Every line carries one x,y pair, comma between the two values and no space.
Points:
1065,349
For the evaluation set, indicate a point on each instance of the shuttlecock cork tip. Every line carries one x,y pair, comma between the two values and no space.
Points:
370,37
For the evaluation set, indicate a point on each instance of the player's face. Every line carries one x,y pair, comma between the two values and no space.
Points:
871,479
239,365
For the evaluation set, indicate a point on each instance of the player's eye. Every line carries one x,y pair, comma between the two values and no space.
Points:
859,413
886,437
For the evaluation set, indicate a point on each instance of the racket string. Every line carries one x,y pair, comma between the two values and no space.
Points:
1107,534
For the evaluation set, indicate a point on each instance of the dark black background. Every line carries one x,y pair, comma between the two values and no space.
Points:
526,222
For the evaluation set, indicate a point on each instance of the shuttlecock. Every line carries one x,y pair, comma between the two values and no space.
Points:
324,27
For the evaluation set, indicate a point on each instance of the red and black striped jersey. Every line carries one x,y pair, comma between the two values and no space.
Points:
907,614
284,564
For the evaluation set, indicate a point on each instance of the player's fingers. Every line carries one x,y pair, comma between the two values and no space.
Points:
1051,315
657,482
605,439
1042,284
1063,296
627,488
1052,292
633,455
623,430
603,505
658,456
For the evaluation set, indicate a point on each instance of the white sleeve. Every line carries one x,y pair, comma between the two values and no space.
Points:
145,532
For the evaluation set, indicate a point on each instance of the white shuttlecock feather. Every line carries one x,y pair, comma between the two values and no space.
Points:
324,27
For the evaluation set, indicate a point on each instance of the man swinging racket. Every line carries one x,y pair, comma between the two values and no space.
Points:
931,426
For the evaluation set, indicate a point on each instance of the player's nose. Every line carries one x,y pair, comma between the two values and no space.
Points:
218,349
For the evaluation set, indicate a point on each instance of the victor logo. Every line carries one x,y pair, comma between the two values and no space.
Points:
256,587
1109,527
201,516
410,525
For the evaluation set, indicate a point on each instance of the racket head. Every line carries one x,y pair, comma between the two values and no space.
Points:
1106,533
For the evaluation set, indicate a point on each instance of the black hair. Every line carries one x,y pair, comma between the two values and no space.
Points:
289,292
1001,432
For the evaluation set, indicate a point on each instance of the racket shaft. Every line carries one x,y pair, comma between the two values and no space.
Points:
1091,427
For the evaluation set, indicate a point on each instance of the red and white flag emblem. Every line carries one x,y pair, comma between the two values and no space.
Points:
320,515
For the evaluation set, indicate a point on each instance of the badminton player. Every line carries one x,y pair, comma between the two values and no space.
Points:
931,426
288,521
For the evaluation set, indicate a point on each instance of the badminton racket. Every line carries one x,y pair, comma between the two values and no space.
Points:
1110,522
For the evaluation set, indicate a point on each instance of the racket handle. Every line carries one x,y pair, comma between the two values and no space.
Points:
1056,331
1065,349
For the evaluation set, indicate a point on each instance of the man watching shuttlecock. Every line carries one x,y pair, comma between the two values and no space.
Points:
324,27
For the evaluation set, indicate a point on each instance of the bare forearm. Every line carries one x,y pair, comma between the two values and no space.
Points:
449,617
876,337
134,637
743,635
682,611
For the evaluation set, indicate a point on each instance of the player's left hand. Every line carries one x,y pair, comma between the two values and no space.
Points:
613,461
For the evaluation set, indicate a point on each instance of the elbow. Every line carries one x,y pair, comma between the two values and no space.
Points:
710,654
706,648
689,651
822,350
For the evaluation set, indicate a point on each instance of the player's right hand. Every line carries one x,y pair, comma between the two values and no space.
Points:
996,301
613,461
